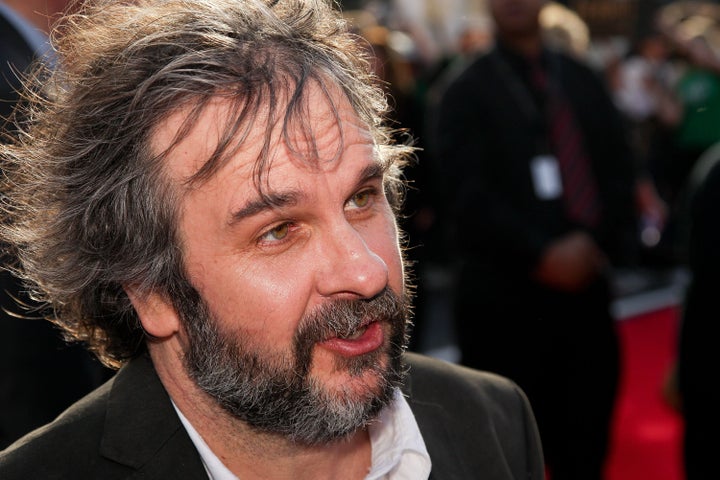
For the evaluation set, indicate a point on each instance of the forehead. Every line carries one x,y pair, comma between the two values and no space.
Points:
322,125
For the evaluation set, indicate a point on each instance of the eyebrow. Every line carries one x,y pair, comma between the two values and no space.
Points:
268,201
279,199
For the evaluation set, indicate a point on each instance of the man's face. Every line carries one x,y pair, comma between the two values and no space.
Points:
516,17
300,315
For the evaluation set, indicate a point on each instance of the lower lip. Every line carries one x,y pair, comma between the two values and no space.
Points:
371,339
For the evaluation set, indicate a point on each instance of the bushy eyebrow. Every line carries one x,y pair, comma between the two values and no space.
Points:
373,170
268,201
278,199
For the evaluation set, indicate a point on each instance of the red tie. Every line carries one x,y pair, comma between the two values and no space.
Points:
579,184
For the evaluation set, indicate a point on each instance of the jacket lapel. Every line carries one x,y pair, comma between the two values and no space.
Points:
432,420
445,462
142,429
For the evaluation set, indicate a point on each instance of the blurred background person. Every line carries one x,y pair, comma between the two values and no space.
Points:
543,204
642,87
22,38
690,117
698,357
39,374
689,161
563,29
436,26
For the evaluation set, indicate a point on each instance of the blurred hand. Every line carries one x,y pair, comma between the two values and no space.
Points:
570,263
652,210
649,203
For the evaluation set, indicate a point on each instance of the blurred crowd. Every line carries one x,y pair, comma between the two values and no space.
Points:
664,83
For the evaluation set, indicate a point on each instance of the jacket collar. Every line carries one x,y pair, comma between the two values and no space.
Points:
433,421
142,430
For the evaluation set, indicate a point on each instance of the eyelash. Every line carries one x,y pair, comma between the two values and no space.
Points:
265,237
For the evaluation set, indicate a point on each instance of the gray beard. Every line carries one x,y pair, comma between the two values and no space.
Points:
274,393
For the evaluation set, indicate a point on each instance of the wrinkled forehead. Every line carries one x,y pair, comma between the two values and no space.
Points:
312,130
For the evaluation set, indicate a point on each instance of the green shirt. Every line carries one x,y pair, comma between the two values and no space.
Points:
699,93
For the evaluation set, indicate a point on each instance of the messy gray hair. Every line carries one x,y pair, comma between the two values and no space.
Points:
87,207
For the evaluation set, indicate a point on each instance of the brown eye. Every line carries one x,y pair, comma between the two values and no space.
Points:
277,233
361,199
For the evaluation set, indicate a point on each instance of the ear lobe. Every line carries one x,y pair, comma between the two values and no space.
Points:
156,313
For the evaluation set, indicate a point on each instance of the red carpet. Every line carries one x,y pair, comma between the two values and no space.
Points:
647,433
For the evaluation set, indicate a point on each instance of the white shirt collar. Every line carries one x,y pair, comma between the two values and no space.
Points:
398,449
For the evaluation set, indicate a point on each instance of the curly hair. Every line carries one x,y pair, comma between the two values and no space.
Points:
87,207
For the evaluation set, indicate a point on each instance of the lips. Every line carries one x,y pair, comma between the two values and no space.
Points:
364,339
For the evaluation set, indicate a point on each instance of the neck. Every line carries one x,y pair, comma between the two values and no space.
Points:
252,455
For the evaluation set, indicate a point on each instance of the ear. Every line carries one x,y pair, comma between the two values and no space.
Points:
156,313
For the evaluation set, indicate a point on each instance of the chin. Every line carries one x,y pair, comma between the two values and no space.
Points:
361,375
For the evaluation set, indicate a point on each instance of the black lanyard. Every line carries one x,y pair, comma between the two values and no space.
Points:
523,97
518,90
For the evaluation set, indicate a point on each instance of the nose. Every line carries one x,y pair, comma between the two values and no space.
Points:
349,266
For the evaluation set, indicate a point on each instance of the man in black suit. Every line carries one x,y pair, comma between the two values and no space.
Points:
207,199
541,200
697,359
40,375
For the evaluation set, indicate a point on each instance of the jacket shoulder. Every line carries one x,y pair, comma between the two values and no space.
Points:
65,448
125,429
474,396
472,74
431,379
473,420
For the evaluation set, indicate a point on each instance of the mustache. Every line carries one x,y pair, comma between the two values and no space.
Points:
341,318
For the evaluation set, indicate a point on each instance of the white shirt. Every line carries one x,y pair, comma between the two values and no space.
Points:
398,449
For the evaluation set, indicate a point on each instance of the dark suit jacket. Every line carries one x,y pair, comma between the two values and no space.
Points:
475,425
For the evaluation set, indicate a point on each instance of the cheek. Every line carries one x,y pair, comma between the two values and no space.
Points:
265,303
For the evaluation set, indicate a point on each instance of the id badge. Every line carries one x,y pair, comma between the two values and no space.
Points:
545,173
